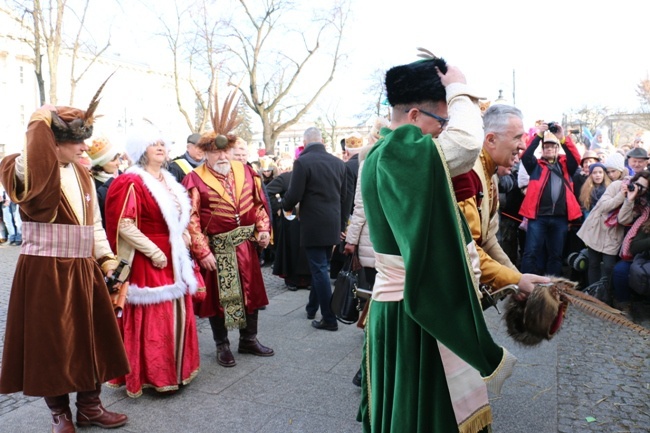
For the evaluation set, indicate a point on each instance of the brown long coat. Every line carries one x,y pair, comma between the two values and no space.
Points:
61,333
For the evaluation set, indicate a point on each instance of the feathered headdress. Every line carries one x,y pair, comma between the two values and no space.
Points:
77,129
224,121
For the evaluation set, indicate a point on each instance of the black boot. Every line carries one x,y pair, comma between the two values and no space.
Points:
248,342
61,415
357,378
225,357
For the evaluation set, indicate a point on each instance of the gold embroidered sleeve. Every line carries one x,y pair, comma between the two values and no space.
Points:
262,219
198,241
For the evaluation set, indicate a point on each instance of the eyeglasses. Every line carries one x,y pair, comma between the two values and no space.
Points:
443,121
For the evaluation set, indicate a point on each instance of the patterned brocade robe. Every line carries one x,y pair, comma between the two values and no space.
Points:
221,204
61,333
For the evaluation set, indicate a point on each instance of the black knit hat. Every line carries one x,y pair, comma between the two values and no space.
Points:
416,82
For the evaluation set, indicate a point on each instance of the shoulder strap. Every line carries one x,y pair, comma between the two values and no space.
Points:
184,165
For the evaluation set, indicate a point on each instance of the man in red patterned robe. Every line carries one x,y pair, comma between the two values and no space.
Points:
228,222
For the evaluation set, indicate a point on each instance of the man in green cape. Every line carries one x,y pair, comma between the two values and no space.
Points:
428,356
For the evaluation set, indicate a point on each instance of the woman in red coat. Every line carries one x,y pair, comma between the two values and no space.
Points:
147,213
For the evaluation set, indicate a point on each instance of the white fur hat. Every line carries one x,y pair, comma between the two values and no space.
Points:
141,137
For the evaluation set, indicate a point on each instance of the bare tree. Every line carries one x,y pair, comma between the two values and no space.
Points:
95,54
244,130
643,92
195,53
328,125
272,95
376,93
45,21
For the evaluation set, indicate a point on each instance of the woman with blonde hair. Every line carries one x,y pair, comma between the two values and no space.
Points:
147,224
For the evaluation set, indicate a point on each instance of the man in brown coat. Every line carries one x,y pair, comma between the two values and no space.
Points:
61,334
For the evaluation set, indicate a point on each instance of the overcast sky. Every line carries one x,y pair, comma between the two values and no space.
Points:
564,54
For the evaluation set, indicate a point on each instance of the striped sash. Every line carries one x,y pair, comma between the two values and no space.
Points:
57,240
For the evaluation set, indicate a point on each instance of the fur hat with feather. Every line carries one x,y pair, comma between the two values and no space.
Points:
540,315
75,125
224,122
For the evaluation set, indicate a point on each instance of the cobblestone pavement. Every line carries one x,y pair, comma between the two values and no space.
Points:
602,369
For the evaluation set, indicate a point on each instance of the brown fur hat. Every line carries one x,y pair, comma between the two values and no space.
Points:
539,316
73,125
208,141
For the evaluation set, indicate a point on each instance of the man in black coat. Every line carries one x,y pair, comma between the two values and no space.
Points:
318,183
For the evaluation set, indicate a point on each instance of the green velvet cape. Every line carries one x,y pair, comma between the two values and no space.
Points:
411,212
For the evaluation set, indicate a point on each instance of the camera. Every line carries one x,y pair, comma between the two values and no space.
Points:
631,187
552,126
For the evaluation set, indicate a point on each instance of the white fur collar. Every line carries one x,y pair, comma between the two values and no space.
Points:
184,278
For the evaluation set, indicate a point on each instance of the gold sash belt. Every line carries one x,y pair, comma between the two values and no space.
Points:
224,248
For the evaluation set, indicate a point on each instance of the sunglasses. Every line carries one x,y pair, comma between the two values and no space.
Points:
443,121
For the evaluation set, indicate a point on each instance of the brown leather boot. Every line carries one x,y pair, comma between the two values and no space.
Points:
61,415
225,357
254,347
91,412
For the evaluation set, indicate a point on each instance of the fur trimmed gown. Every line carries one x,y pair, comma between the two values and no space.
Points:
158,324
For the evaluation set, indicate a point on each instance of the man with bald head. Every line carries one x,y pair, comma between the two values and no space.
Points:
318,183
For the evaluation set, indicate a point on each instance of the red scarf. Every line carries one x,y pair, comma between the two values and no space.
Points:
625,249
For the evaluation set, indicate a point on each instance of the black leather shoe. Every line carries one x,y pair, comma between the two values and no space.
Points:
254,347
357,378
321,324
311,316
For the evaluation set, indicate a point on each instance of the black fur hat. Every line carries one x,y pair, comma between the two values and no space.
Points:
416,82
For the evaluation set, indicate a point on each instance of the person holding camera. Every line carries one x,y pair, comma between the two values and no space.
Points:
635,210
550,202
603,234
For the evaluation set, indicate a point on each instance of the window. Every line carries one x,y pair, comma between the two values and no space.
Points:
21,74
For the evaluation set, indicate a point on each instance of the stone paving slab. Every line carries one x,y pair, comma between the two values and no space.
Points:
590,369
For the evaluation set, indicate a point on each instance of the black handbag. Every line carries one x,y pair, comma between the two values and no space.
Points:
345,304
